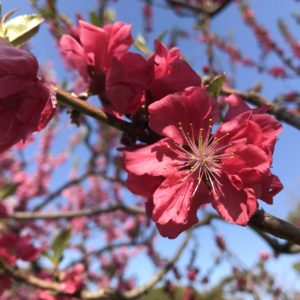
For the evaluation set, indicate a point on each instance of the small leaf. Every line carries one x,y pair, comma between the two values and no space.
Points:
141,45
297,266
7,190
215,86
162,35
20,29
94,19
59,244
8,15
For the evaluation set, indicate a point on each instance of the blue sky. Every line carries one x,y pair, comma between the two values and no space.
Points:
286,159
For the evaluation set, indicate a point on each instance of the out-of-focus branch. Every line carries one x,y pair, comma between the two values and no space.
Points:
264,223
275,226
68,184
286,247
29,279
275,109
30,216
198,8
58,192
142,290
101,294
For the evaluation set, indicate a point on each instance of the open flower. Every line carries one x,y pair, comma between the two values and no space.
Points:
100,56
95,47
26,102
192,165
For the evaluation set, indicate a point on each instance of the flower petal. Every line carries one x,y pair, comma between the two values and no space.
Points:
249,162
268,187
156,160
144,185
236,106
95,40
175,209
235,206
192,109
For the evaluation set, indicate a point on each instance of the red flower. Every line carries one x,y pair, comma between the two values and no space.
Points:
26,102
14,247
126,81
5,283
230,168
100,56
277,72
171,73
96,47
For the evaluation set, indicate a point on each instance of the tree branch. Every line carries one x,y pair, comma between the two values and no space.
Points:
29,279
198,9
142,290
31,216
103,293
263,223
274,109
275,226
286,248
86,108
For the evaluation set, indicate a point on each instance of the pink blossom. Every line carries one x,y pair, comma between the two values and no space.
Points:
229,168
171,72
26,102
100,56
5,283
14,247
126,80
72,280
192,273
264,255
95,46
189,294
277,72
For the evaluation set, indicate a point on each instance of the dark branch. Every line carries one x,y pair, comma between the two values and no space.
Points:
274,109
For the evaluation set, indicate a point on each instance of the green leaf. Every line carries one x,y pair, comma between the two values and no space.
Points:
297,266
215,86
94,19
59,244
7,190
162,35
8,15
20,29
141,45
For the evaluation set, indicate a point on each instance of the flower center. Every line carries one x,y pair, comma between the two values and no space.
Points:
202,157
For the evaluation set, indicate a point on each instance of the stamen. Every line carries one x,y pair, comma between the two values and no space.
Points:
202,157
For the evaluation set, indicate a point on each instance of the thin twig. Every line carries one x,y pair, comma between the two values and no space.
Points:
29,279
31,216
142,290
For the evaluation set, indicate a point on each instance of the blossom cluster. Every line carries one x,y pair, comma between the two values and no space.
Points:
192,161
26,101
